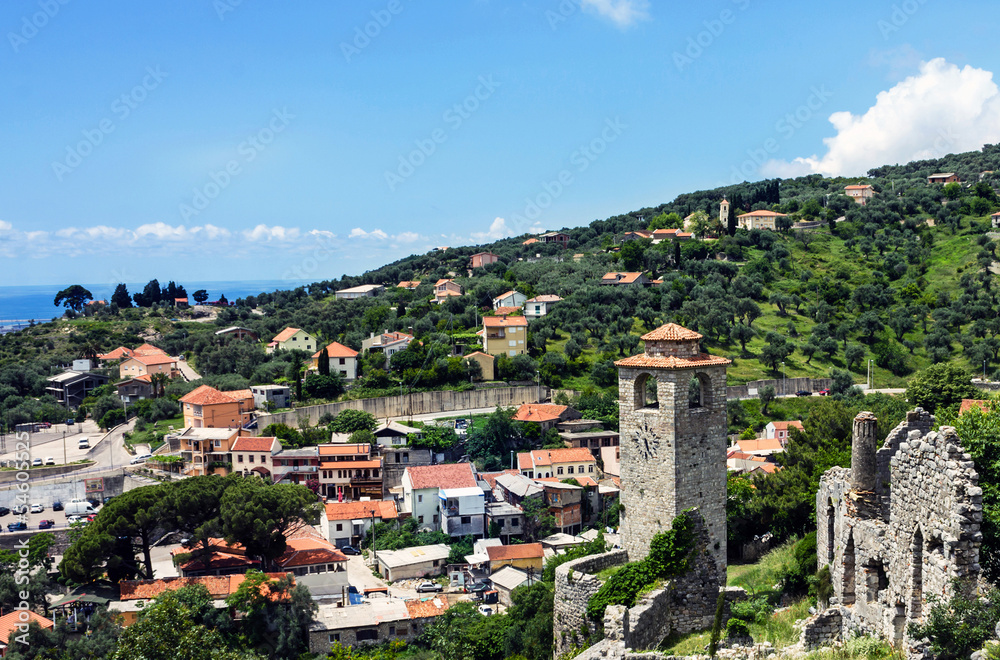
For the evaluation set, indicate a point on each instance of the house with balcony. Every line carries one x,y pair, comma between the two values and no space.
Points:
557,237
205,450
860,193
270,397
565,502
557,463
295,466
347,523
587,434
463,511
70,387
135,389
255,455
147,365
207,407
509,299
291,338
349,472
539,306
388,343
481,259
341,359
421,486
505,336
445,289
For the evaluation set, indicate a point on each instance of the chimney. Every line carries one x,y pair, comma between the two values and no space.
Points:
864,473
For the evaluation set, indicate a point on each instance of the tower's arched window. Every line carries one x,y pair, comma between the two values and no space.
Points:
699,391
645,392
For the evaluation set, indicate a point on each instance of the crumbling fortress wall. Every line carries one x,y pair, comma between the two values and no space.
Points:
901,524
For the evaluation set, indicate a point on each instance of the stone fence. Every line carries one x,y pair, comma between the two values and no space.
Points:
575,584
416,403
781,387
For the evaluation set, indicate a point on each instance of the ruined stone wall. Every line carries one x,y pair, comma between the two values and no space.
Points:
884,567
575,584
670,455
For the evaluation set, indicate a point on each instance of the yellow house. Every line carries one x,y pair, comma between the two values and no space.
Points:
758,219
207,407
505,335
142,365
290,338
522,555
485,361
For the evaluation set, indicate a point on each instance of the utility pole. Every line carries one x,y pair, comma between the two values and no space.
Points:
64,445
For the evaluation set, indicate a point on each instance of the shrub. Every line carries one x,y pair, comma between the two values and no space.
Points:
961,626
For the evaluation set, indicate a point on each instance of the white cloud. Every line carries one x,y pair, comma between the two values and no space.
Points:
498,229
358,232
940,110
5,226
623,13
277,233
408,237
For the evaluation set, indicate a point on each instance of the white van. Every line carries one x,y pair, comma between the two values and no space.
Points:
79,508
84,443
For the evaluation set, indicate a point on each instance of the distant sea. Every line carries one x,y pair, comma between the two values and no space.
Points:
20,304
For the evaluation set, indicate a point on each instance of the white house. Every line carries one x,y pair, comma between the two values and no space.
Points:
509,299
782,430
341,359
363,291
420,490
539,306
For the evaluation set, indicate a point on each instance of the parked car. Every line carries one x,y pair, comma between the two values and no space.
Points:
350,550
18,526
141,459
823,392
50,460
75,519
4,511
36,462
84,443
107,498
45,425
45,524
94,502
79,508
803,393
37,508
429,587
485,610
70,422
57,506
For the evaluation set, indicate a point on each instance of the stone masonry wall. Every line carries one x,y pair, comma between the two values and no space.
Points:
926,534
575,584
670,455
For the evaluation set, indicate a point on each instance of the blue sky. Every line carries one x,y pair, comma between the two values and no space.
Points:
223,140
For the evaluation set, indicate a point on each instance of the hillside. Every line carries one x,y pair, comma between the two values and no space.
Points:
903,282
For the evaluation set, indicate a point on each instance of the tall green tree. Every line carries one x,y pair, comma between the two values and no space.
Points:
73,297
260,516
121,297
939,386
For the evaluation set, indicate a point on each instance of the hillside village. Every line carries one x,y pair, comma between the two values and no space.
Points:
562,443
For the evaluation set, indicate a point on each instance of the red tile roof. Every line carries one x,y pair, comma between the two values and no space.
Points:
422,609
152,359
349,449
764,444
969,404
518,551
309,552
529,241
856,187
504,321
384,509
545,298
448,475
792,424
546,457
480,353
762,214
621,278
702,360
246,443
408,284
149,349
336,350
285,334
540,412
10,621
206,395
218,586
119,352
671,332
506,311
491,477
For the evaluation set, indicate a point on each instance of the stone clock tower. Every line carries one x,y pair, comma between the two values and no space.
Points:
673,442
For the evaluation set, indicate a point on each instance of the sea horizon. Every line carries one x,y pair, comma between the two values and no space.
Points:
35,302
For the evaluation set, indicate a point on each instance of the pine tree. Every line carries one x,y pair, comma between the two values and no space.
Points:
121,297
323,363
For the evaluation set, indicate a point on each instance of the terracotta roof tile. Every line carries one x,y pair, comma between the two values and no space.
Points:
119,352
671,332
336,350
763,213
10,621
246,443
784,426
703,360
506,311
285,334
539,412
969,404
448,475
149,349
504,321
150,360
518,551
384,509
205,395
350,449
544,457
422,609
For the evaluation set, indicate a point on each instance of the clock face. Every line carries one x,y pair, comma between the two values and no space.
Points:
646,440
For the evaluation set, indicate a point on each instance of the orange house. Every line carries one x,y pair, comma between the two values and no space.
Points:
481,259
207,407
142,365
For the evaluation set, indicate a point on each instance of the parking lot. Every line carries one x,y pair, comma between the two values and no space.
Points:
33,519
50,443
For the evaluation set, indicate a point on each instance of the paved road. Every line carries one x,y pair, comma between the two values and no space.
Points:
186,370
